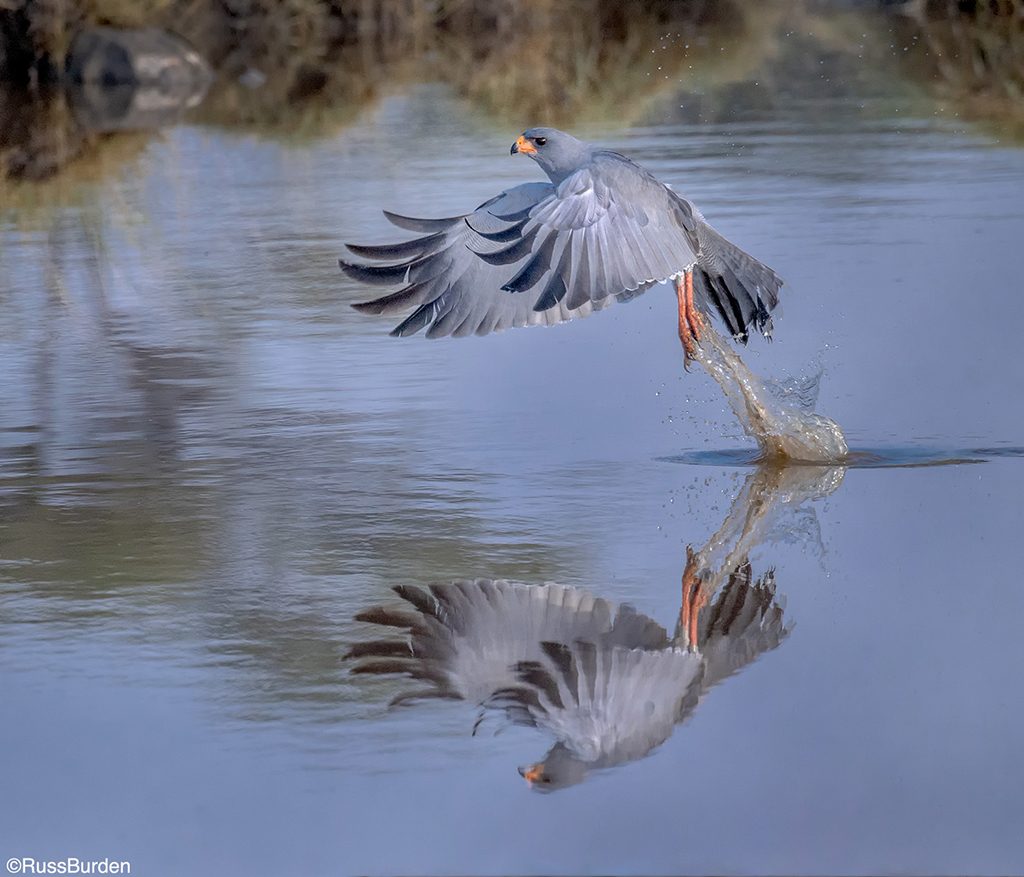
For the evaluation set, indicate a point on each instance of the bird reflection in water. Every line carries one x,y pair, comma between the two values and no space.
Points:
607,682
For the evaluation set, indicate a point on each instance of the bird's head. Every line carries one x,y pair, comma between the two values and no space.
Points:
559,770
558,153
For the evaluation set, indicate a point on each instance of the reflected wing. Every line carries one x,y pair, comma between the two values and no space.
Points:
467,638
536,254
745,621
606,704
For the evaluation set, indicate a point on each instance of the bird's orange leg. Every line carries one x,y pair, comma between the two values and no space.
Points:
685,334
690,321
694,599
700,600
692,314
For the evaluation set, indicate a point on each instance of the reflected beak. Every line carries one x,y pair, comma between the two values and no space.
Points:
531,774
523,145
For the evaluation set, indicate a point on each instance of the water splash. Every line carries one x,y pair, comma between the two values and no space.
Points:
799,391
899,457
769,501
777,421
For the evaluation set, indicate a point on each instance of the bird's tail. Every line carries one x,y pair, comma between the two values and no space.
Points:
742,290
744,622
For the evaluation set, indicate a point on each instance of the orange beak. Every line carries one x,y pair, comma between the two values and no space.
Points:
532,774
523,145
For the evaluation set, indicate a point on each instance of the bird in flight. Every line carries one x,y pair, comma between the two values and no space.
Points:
602,229
607,682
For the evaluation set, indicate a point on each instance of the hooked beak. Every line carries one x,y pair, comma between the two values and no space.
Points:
522,145
532,773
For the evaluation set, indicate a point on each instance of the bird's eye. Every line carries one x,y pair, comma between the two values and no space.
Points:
540,141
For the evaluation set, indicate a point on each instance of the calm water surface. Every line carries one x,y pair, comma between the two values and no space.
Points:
209,464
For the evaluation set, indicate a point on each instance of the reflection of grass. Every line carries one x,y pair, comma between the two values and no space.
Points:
560,62
278,34
312,103
575,61
317,64
971,57
556,63
41,142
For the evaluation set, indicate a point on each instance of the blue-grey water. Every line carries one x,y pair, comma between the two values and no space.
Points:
209,464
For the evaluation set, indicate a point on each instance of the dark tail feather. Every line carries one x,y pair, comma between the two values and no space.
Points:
743,290
706,286
744,622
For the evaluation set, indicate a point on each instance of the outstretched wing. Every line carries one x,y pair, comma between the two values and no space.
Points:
536,254
606,704
466,638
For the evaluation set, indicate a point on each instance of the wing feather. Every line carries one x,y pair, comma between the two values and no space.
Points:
469,637
430,226
540,254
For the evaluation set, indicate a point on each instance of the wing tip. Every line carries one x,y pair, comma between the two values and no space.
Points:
367,307
412,223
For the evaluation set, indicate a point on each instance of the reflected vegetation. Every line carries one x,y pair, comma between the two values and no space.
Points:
608,683
305,70
970,56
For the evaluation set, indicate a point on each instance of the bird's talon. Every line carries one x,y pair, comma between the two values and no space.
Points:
689,350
